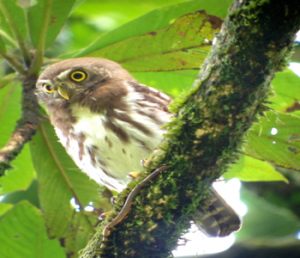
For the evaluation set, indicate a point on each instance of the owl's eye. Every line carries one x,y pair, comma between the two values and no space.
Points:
78,76
48,88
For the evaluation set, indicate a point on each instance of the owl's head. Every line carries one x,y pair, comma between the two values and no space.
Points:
64,81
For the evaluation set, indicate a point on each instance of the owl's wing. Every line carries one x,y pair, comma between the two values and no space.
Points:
216,218
151,95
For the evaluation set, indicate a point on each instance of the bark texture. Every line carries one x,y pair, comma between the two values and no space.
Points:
254,43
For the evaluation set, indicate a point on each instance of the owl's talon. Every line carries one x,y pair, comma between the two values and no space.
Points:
134,174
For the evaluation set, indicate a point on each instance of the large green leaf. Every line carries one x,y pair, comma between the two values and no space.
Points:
13,20
276,139
183,45
286,92
57,10
23,234
156,20
78,234
265,220
250,169
4,207
22,173
173,83
59,181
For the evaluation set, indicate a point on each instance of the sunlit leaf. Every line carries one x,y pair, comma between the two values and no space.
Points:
23,234
173,83
250,169
276,138
286,92
183,45
58,11
156,20
4,207
59,181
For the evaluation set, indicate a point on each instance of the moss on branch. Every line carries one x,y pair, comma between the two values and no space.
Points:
204,138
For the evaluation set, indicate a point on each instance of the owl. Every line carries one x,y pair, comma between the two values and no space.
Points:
109,123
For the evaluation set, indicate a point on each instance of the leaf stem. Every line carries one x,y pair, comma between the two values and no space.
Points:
13,62
7,79
4,35
16,32
39,54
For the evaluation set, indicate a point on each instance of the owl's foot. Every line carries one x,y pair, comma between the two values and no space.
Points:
134,174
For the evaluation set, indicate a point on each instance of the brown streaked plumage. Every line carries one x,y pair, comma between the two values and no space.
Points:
108,123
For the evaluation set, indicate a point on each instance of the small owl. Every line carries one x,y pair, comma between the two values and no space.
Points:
108,123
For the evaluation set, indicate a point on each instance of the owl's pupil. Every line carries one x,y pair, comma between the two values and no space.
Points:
48,87
77,76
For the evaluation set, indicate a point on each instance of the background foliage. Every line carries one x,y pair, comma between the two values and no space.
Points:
48,208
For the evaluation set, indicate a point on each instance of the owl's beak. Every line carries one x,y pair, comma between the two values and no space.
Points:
63,91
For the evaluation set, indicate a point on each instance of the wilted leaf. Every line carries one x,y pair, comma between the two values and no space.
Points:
250,169
276,138
23,234
59,181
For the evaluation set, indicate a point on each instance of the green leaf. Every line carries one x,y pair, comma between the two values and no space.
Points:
286,95
276,139
7,79
78,234
2,48
57,10
183,45
13,20
22,174
4,207
156,20
265,220
59,181
173,83
23,234
251,169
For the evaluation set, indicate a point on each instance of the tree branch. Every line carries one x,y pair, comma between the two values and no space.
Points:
25,127
203,139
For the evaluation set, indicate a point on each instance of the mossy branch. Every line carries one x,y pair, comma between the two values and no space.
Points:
26,126
203,139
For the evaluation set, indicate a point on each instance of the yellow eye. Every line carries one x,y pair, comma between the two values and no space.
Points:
78,76
48,88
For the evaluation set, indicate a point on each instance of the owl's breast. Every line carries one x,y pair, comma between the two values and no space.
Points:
108,148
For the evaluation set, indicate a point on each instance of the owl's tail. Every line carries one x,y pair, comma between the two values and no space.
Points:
216,218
